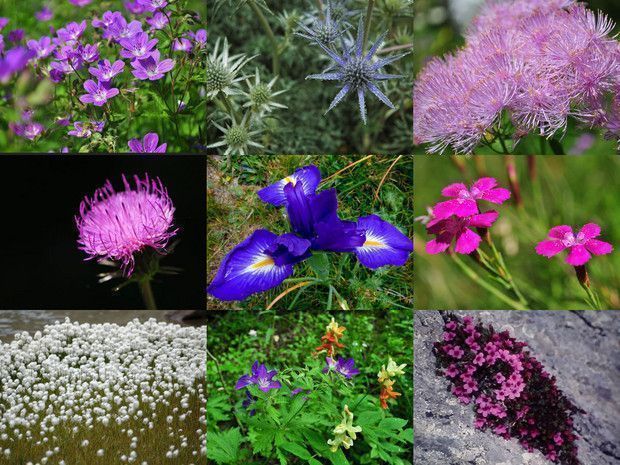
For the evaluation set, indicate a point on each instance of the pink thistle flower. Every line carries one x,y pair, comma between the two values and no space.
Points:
119,225
147,145
458,229
465,200
581,246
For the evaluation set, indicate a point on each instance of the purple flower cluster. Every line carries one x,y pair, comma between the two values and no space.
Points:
344,367
512,394
538,61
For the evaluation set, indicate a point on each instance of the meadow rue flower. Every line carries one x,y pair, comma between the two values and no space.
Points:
345,432
137,46
357,71
511,393
465,199
119,225
344,367
260,262
42,47
151,67
260,377
105,70
147,145
458,230
44,14
581,246
98,93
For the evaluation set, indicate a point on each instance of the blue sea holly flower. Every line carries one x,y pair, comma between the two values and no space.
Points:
309,177
358,72
260,262
384,244
259,377
323,30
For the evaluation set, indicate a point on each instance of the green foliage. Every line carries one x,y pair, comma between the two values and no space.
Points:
337,281
294,429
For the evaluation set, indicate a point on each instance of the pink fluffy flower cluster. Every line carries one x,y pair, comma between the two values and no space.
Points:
537,61
512,394
453,220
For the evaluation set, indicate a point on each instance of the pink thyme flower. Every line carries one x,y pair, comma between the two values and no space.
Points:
581,246
464,202
98,93
458,229
118,225
148,144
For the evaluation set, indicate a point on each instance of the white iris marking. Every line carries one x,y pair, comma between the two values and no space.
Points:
262,261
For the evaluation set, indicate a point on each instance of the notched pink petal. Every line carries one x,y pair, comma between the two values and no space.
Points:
466,208
467,241
484,220
453,189
591,230
498,195
445,209
434,247
598,247
578,255
549,248
484,184
558,232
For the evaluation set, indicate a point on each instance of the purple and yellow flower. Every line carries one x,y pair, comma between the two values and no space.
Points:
344,367
260,377
260,262
119,225
98,93
148,144
151,67
581,246
309,177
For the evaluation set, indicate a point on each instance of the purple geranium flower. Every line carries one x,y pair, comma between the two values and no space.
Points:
98,93
182,45
80,3
16,35
116,225
88,53
150,67
137,46
106,70
14,60
120,29
3,22
200,37
152,5
107,19
249,400
157,21
260,377
84,130
29,130
134,7
147,145
45,14
345,367
42,47
72,31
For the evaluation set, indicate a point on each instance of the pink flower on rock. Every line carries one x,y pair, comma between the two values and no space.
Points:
458,229
465,200
147,145
581,245
98,93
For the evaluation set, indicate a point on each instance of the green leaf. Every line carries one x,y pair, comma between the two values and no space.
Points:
297,450
392,423
225,447
320,265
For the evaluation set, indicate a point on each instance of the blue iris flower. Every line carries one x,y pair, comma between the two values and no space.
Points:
264,259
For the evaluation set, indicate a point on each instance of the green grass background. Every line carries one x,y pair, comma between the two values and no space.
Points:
234,211
567,190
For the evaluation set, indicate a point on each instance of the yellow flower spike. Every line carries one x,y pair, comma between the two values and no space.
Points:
344,433
390,371
335,329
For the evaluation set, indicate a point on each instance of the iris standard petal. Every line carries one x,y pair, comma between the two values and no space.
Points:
298,209
338,236
309,176
384,244
248,269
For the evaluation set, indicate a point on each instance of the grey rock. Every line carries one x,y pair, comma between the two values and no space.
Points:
581,349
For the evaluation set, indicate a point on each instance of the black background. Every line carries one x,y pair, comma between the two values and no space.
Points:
41,266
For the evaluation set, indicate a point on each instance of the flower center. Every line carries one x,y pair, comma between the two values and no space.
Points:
100,96
570,239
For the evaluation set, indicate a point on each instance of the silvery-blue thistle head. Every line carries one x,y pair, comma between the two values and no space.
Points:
323,30
358,72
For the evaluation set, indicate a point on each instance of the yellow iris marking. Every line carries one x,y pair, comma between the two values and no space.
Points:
370,243
289,179
266,262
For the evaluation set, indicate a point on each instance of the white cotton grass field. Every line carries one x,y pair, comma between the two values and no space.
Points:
104,394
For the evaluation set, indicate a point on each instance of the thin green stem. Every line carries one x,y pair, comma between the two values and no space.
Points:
275,56
367,21
147,294
508,276
593,299
492,289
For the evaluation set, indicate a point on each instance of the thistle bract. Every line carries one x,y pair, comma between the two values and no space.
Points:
120,225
